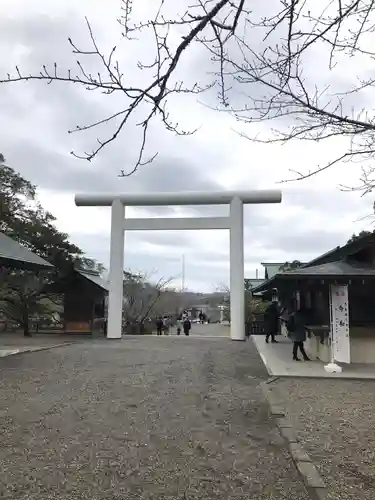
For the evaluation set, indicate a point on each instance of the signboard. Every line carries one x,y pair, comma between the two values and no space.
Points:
339,311
78,327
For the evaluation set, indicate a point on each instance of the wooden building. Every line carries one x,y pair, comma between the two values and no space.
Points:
15,256
338,292
84,300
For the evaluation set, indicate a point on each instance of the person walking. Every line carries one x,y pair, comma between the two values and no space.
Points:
159,326
178,325
166,325
271,321
297,331
285,312
186,326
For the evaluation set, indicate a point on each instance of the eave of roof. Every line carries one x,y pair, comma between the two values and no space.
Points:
334,269
338,269
254,281
339,253
94,278
64,283
16,256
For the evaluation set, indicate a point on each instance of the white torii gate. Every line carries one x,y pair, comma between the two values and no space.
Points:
234,222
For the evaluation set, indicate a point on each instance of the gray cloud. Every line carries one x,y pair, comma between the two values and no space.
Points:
177,239
311,242
60,171
328,201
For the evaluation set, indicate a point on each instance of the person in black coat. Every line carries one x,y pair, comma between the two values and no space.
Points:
271,321
186,325
297,330
159,326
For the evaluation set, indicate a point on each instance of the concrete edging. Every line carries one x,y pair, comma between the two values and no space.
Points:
313,481
35,349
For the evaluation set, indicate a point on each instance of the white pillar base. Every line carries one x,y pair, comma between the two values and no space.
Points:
332,368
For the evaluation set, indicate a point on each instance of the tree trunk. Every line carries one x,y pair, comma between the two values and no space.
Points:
26,326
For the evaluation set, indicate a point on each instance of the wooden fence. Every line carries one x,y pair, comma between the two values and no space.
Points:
256,325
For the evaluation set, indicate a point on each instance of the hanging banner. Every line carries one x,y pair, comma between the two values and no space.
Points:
339,312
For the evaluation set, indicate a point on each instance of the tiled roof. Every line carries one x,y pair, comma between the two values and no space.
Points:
339,253
94,278
14,255
335,269
254,282
339,269
271,268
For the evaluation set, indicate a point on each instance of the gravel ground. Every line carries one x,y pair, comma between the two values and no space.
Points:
335,420
161,418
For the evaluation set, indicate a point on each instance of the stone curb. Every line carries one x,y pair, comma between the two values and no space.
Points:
312,479
35,349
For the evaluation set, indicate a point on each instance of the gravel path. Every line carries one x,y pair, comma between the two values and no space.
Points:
143,418
335,420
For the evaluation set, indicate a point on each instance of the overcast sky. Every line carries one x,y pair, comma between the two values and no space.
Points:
314,216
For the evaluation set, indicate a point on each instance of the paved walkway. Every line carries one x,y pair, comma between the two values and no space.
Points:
210,330
141,418
15,343
277,358
18,339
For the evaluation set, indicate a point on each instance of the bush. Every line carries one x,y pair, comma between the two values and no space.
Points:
137,329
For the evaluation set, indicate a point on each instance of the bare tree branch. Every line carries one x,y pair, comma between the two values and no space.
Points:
154,95
141,295
266,55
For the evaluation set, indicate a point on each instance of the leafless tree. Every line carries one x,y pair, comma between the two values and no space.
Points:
22,295
266,54
141,296
337,30
223,288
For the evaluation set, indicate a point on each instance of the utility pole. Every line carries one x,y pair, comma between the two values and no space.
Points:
183,274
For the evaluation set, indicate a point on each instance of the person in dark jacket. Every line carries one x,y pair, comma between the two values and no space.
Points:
271,321
186,325
297,331
159,326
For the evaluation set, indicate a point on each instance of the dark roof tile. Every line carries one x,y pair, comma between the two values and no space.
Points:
14,255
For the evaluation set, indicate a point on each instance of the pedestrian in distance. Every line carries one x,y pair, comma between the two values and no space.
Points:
186,326
179,325
166,325
159,326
